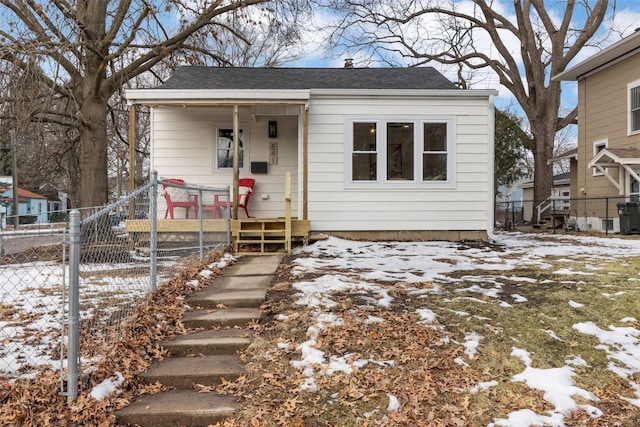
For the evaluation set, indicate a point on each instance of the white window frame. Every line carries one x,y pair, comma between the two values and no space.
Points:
376,152
244,132
603,143
448,149
381,144
630,104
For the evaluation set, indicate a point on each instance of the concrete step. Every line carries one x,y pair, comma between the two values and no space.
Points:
225,282
225,341
178,408
255,266
229,317
212,297
184,372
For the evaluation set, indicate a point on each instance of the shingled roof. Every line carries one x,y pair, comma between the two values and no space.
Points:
417,78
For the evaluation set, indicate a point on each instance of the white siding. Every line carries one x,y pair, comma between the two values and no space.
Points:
183,147
184,142
335,204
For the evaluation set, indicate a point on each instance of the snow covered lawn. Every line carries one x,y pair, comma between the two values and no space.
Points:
34,299
533,330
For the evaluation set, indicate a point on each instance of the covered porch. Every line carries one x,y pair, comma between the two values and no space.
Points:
223,142
616,164
247,235
219,143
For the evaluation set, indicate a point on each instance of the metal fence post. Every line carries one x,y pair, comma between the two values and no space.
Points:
200,225
606,216
228,216
153,238
74,305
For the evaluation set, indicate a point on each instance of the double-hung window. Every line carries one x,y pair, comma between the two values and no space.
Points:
434,155
400,151
634,107
364,158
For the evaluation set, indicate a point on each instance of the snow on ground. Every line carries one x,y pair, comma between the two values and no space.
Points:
356,267
34,298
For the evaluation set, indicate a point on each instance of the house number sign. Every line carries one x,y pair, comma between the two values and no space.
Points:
273,153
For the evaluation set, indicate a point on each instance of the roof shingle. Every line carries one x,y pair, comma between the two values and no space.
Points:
189,77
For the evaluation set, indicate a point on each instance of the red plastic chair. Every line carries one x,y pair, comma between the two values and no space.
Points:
245,189
178,197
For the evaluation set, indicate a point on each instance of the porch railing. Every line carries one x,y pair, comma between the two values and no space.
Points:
552,204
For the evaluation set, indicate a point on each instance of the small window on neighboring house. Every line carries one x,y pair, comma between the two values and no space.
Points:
634,190
224,148
598,146
634,107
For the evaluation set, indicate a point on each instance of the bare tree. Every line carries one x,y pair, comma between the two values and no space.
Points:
86,50
523,44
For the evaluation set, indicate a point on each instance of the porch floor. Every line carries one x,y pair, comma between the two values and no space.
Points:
250,236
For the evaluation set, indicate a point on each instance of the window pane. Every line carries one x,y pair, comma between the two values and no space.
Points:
364,137
434,167
400,151
225,148
635,120
635,98
364,166
435,137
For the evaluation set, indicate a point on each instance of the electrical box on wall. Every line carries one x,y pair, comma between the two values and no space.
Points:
258,167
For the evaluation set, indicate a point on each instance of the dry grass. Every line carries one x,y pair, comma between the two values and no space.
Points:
433,389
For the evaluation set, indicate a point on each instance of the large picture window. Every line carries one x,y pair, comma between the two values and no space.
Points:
224,148
634,107
400,151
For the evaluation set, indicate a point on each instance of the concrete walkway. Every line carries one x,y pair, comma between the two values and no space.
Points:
205,357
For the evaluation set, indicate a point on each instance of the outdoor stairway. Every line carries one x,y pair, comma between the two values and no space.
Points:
205,357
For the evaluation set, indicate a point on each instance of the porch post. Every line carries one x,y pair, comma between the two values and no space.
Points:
132,148
305,162
236,161
132,157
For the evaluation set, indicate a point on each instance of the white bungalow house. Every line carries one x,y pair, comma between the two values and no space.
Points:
387,153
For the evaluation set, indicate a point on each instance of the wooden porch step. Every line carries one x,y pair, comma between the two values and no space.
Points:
260,232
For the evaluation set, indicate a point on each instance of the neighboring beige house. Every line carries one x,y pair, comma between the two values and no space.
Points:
608,158
386,153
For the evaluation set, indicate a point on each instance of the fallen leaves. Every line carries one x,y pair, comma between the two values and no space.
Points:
37,401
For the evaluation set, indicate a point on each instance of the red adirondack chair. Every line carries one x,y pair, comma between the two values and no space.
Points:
178,197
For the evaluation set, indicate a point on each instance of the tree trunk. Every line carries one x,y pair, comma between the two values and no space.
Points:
93,99
543,172
93,160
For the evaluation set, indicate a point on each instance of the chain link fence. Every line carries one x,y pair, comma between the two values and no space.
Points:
32,277
563,214
67,288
